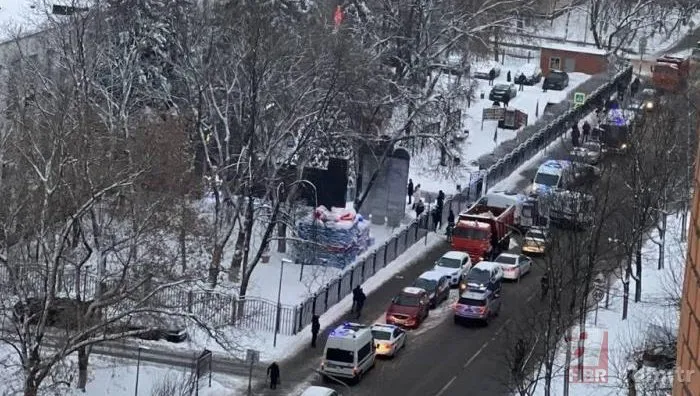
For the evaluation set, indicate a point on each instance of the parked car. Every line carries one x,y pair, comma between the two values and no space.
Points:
62,313
535,241
319,391
483,69
514,265
503,92
528,74
455,265
437,284
557,80
349,352
589,152
409,308
484,275
480,306
388,339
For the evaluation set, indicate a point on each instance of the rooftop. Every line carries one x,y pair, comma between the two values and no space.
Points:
474,295
575,48
454,254
347,330
486,265
432,275
412,290
508,255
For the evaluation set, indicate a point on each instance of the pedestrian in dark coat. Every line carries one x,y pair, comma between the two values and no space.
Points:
508,76
436,217
360,302
315,328
273,372
544,285
575,135
586,131
355,297
492,76
634,87
420,208
440,200
410,190
451,218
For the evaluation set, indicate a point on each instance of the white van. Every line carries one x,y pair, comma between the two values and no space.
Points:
349,352
551,175
319,391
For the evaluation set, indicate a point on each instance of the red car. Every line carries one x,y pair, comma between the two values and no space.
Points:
409,308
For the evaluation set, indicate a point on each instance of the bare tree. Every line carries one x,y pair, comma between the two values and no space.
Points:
616,25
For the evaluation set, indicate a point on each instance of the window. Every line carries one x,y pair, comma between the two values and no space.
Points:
471,302
554,63
425,284
363,352
449,263
407,300
381,335
469,233
340,355
479,275
397,333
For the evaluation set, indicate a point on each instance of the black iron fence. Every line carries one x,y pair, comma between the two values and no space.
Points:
219,309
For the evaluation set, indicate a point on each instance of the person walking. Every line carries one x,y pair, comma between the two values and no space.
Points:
634,87
355,298
544,286
492,76
420,208
436,217
410,190
440,200
575,135
508,76
315,328
586,131
416,194
360,302
450,225
273,372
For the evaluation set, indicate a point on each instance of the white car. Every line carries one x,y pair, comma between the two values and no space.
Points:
514,265
319,391
388,339
455,265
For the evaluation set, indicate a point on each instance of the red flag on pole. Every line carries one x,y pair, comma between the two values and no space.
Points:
338,16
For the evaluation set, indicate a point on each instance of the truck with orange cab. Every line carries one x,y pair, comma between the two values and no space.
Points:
670,73
483,231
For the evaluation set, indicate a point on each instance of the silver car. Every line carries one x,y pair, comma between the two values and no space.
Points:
588,152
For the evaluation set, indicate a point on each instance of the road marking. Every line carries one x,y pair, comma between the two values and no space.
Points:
471,359
447,385
530,298
503,326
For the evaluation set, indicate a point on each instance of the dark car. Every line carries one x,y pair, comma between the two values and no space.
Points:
503,92
62,313
556,79
409,308
436,284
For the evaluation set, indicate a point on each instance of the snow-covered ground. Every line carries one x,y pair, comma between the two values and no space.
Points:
574,26
659,290
425,169
115,377
235,340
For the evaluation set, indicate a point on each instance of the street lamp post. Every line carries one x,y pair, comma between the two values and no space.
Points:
138,369
279,301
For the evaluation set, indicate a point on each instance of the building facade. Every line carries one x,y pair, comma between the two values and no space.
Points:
687,378
571,59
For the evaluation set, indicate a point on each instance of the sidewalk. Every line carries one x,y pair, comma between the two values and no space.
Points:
298,368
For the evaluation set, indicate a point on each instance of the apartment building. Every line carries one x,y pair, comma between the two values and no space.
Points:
687,378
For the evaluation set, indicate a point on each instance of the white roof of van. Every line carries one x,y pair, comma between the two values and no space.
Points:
348,330
455,254
553,167
317,391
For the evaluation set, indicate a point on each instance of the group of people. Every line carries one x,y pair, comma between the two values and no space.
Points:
576,134
413,193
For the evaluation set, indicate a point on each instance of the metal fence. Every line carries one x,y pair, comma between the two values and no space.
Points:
258,314
383,254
